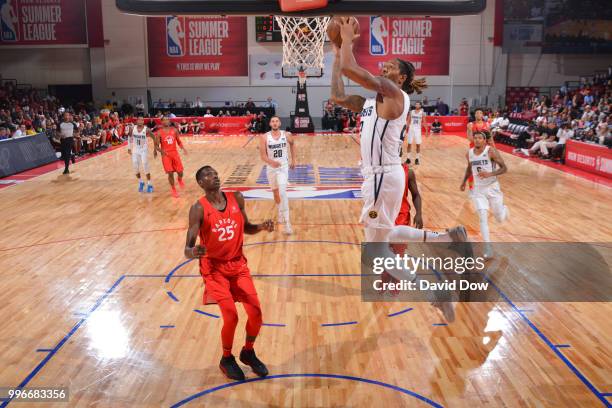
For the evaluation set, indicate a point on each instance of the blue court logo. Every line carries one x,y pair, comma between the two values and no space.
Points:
8,20
175,36
379,35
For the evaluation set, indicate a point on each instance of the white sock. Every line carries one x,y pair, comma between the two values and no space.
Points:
283,207
404,233
484,225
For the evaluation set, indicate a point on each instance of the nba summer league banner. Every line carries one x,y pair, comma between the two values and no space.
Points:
457,272
36,22
423,41
197,46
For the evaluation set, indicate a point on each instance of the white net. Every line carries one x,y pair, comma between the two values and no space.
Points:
303,39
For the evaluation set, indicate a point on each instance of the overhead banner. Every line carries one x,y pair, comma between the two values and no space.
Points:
197,46
425,42
42,22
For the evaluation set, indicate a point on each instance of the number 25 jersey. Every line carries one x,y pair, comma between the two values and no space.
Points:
222,232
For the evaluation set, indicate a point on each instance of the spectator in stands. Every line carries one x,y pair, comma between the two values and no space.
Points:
196,125
30,131
250,105
183,127
425,101
565,133
441,107
198,103
172,104
464,108
602,130
208,114
3,133
328,122
349,124
140,107
436,126
186,103
588,114
20,131
270,103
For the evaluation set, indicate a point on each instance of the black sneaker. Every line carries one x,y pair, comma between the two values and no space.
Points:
408,161
416,162
249,358
66,172
231,369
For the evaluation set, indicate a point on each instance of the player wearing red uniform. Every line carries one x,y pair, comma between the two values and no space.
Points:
220,220
166,141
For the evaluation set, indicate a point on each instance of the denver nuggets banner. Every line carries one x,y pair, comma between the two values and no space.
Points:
36,22
423,41
197,46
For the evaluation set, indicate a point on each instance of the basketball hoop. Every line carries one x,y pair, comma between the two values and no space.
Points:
303,40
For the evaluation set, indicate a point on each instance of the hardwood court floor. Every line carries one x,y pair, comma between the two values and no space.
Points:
85,261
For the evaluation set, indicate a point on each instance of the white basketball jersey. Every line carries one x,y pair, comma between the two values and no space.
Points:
480,163
381,139
139,138
416,120
277,148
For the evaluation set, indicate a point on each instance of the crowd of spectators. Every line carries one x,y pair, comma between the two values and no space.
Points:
249,104
582,114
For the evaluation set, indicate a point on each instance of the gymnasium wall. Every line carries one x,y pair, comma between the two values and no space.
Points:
477,68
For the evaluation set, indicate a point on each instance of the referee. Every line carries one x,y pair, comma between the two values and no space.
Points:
66,130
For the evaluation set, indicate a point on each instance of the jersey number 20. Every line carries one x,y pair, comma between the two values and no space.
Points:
278,154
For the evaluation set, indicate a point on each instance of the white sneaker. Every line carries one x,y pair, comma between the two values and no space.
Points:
488,251
288,230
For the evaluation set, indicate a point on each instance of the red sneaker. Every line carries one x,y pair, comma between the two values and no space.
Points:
181,183
174,193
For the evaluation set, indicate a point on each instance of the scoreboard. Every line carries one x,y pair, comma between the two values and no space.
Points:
267,29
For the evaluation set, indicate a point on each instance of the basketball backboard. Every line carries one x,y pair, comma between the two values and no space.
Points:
271,7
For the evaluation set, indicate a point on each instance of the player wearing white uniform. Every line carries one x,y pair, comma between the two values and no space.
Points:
415,123
274,149
383,122
485,164
138,148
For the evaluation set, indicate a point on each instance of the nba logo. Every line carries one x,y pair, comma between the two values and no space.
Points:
8,21
175,36
379,36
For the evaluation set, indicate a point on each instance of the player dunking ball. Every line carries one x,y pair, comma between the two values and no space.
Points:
274,152
415,123
383,119
138,148
484,165
220,220
166,141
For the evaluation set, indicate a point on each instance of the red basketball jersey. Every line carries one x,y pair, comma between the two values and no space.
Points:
478,127
222,232
167,138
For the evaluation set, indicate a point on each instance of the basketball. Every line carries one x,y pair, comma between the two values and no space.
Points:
333,30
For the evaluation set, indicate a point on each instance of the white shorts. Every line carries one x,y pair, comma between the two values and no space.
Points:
277,176
382,198
414,136
140,158
491,196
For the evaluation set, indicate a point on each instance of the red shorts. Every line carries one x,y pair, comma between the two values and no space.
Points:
172,162
226,280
